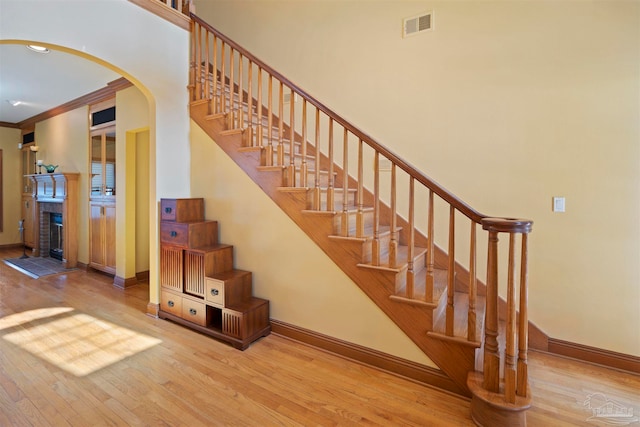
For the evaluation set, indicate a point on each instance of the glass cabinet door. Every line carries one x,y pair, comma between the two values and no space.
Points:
28,168
110,163
103,162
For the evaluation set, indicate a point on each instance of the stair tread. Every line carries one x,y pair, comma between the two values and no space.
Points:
419,286
335,212
401,260
383,232
461,307
368,232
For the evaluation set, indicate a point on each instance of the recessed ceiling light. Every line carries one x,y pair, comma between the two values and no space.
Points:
39,49
14,102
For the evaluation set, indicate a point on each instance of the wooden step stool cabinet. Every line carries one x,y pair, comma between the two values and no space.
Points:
200,288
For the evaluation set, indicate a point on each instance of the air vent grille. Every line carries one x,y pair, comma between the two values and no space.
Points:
417,24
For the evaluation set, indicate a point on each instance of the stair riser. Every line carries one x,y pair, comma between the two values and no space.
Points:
352,218
286,158
311,179
338,199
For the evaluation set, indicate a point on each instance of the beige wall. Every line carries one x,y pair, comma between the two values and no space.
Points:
11,178
505,103
304,287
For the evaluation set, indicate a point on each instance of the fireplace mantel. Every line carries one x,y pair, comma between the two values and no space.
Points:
58,188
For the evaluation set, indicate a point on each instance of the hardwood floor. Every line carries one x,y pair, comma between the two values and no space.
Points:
76,351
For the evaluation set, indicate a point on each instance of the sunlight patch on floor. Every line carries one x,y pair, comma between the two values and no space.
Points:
76,342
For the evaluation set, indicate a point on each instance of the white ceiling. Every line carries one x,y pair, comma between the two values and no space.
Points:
44,81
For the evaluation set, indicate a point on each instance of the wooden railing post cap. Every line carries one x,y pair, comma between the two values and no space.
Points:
507,225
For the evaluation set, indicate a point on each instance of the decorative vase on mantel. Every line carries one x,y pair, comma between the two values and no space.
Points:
50,168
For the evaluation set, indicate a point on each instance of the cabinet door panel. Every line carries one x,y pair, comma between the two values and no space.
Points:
97,243
110,236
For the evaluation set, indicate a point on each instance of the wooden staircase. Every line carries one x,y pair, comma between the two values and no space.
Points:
379,219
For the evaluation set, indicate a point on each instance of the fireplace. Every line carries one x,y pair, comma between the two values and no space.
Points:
51,231
55,236
56,216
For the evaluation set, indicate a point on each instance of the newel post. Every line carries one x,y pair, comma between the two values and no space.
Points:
491,365
503,401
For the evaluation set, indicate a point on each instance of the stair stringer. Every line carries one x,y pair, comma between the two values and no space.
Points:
454,359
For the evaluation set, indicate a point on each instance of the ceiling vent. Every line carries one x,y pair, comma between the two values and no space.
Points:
417,24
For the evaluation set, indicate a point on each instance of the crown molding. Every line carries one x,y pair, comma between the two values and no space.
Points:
9,125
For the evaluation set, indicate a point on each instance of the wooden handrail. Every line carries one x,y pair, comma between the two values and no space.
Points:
458,204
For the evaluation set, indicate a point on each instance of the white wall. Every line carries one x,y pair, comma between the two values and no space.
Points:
505,103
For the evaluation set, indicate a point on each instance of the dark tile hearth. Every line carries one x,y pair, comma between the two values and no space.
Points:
38,266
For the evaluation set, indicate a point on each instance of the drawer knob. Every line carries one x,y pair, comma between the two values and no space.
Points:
192,311
167,210
174,233
214,292
171,303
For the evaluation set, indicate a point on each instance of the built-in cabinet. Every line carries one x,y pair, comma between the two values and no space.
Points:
102,198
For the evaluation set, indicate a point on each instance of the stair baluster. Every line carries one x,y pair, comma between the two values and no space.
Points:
523,322
451,284
393,241
304,167
473,287
360,192
259,128
206,65
199,64
223,80
430,252
345,183
331,190
238,119
268,152
231,98
292,165
316,192
412,242
247,126
213,102
375,249
280,148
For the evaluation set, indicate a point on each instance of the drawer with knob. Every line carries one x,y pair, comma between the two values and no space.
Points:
171,303
194,312
182,210
189,235
228,288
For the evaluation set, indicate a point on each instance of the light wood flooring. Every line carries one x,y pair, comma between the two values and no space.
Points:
76,351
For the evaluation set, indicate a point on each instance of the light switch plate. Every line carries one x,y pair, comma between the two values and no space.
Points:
558,204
